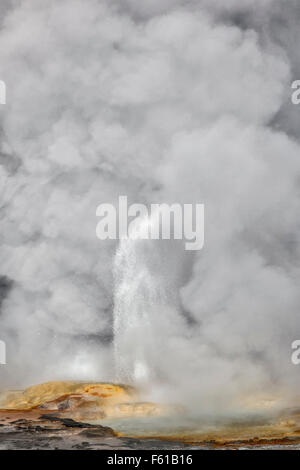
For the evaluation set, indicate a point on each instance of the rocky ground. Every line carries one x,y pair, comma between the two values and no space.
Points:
66,415
35,431
21,431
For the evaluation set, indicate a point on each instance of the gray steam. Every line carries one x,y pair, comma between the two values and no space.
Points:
161,100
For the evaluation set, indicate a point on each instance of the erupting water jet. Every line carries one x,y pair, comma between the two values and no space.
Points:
144,297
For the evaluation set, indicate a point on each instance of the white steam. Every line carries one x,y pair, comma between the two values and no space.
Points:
166,101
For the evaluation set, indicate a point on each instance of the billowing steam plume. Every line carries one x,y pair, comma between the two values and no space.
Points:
161,100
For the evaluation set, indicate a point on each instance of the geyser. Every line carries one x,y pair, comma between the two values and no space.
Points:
127,103
145,298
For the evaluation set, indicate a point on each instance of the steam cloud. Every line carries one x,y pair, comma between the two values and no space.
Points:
179,101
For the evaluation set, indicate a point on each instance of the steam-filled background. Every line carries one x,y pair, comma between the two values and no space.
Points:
166,101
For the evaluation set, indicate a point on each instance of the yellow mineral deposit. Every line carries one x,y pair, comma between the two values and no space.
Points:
55,392
84,401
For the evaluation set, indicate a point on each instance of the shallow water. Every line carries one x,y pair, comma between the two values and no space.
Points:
188,428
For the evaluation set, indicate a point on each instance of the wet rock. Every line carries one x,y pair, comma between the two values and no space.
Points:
70,423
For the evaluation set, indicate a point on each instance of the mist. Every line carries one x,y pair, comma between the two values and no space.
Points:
162,101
